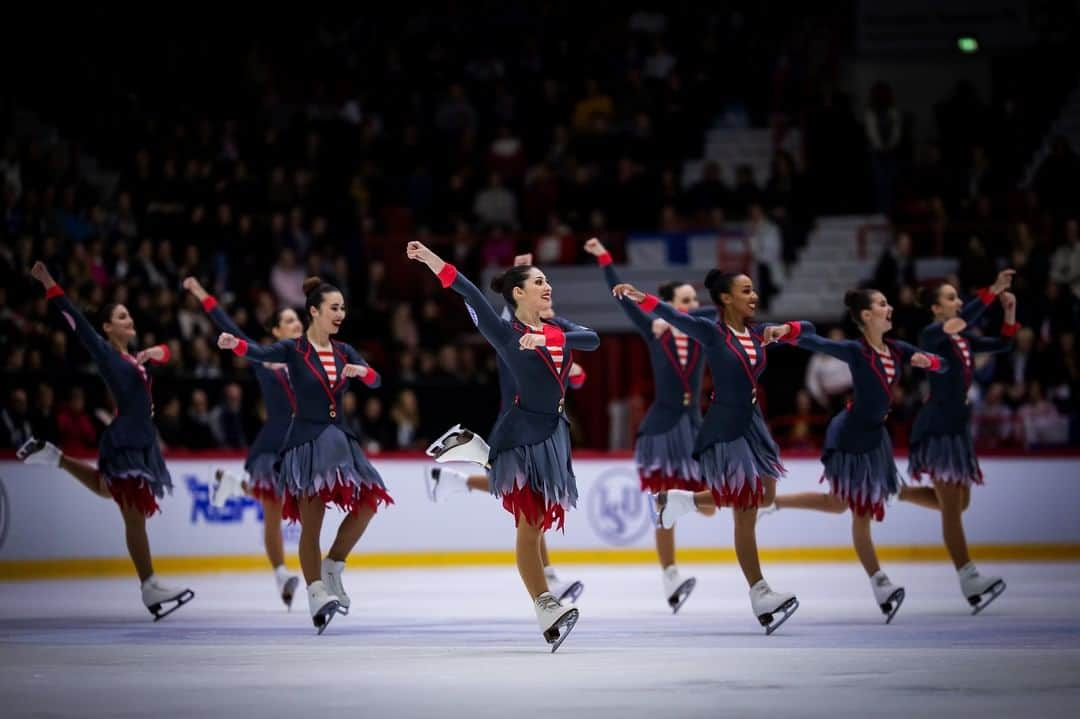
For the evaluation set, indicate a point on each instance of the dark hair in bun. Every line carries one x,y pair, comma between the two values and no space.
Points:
275,319
929,295
316,290
719,282
856,301
667,290
505,283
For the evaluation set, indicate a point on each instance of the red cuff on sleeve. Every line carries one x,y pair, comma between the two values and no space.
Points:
793,334
167,354
604,260
447,275
576,380
554,336
649,303
986,296
54,291
935,363
241,348
1009,329
209,303
371,377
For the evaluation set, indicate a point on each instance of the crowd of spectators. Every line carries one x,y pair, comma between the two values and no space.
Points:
493,132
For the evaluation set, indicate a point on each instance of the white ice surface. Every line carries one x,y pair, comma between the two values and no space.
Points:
464,643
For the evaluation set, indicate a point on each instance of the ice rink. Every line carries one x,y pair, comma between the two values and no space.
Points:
464,643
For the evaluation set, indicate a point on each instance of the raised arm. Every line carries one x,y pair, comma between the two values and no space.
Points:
697,328
277,352
804,335
210,305
985,297
641,321
921,359
1006,341
358,367
574,336
94,343
495,329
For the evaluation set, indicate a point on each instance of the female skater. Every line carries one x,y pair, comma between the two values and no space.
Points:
130,468
280,402
443,481
664,447
941,446
858,455
530,460
321,462
737,457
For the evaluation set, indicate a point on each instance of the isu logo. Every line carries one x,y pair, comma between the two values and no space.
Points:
618,510
5,514
232,512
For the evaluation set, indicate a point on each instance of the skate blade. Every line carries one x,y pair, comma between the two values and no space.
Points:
558,633
29,447
342,609
661,506
676,600
181,599
431,483
325,614
983,601
786,609
289,591
572,593
892,605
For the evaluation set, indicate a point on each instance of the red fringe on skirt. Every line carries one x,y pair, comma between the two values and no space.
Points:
918,475
347,497
524,502
653,482
874,509
264,492
749,496
134,492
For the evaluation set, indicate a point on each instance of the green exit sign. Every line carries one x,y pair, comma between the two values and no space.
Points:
967,44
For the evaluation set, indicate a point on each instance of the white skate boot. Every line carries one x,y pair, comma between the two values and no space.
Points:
38,451
980,589
563,591
161,600
323,605
286,585
767,604
673,504
226,486
888,596
766,509
331,576
676,589
556,621
443,482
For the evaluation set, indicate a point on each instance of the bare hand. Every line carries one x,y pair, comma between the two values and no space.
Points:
954,326
227,341
193,286
532,340
660,327
1003,281
625,289
774,333
1008,301
921,360
152,354
41,273
419,251
595,247
522,260
354,370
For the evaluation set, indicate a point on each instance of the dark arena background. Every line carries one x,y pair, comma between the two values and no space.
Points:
170,166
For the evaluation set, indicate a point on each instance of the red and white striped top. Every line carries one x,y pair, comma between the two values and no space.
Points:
327,359
888,364
747,343
682,346
556,352
965,349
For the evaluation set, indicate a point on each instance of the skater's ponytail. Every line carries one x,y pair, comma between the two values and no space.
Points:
505,282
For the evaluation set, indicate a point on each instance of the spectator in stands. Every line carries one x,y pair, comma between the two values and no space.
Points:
227,418
744,194
1022,365
1058,177
351,412
198,433
405,416
74,426
455,114
1065,264
1040,420
895,268
378,432
15,424
287,279
767,249
170,424
884,127
44,417
708,192
595,103
828,380
994,422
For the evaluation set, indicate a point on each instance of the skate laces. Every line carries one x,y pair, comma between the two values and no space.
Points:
547,601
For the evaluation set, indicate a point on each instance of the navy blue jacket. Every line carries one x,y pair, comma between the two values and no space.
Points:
858,429
677,388
947,411
318,403
507,386
540,391
277,392
128,382
734,401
